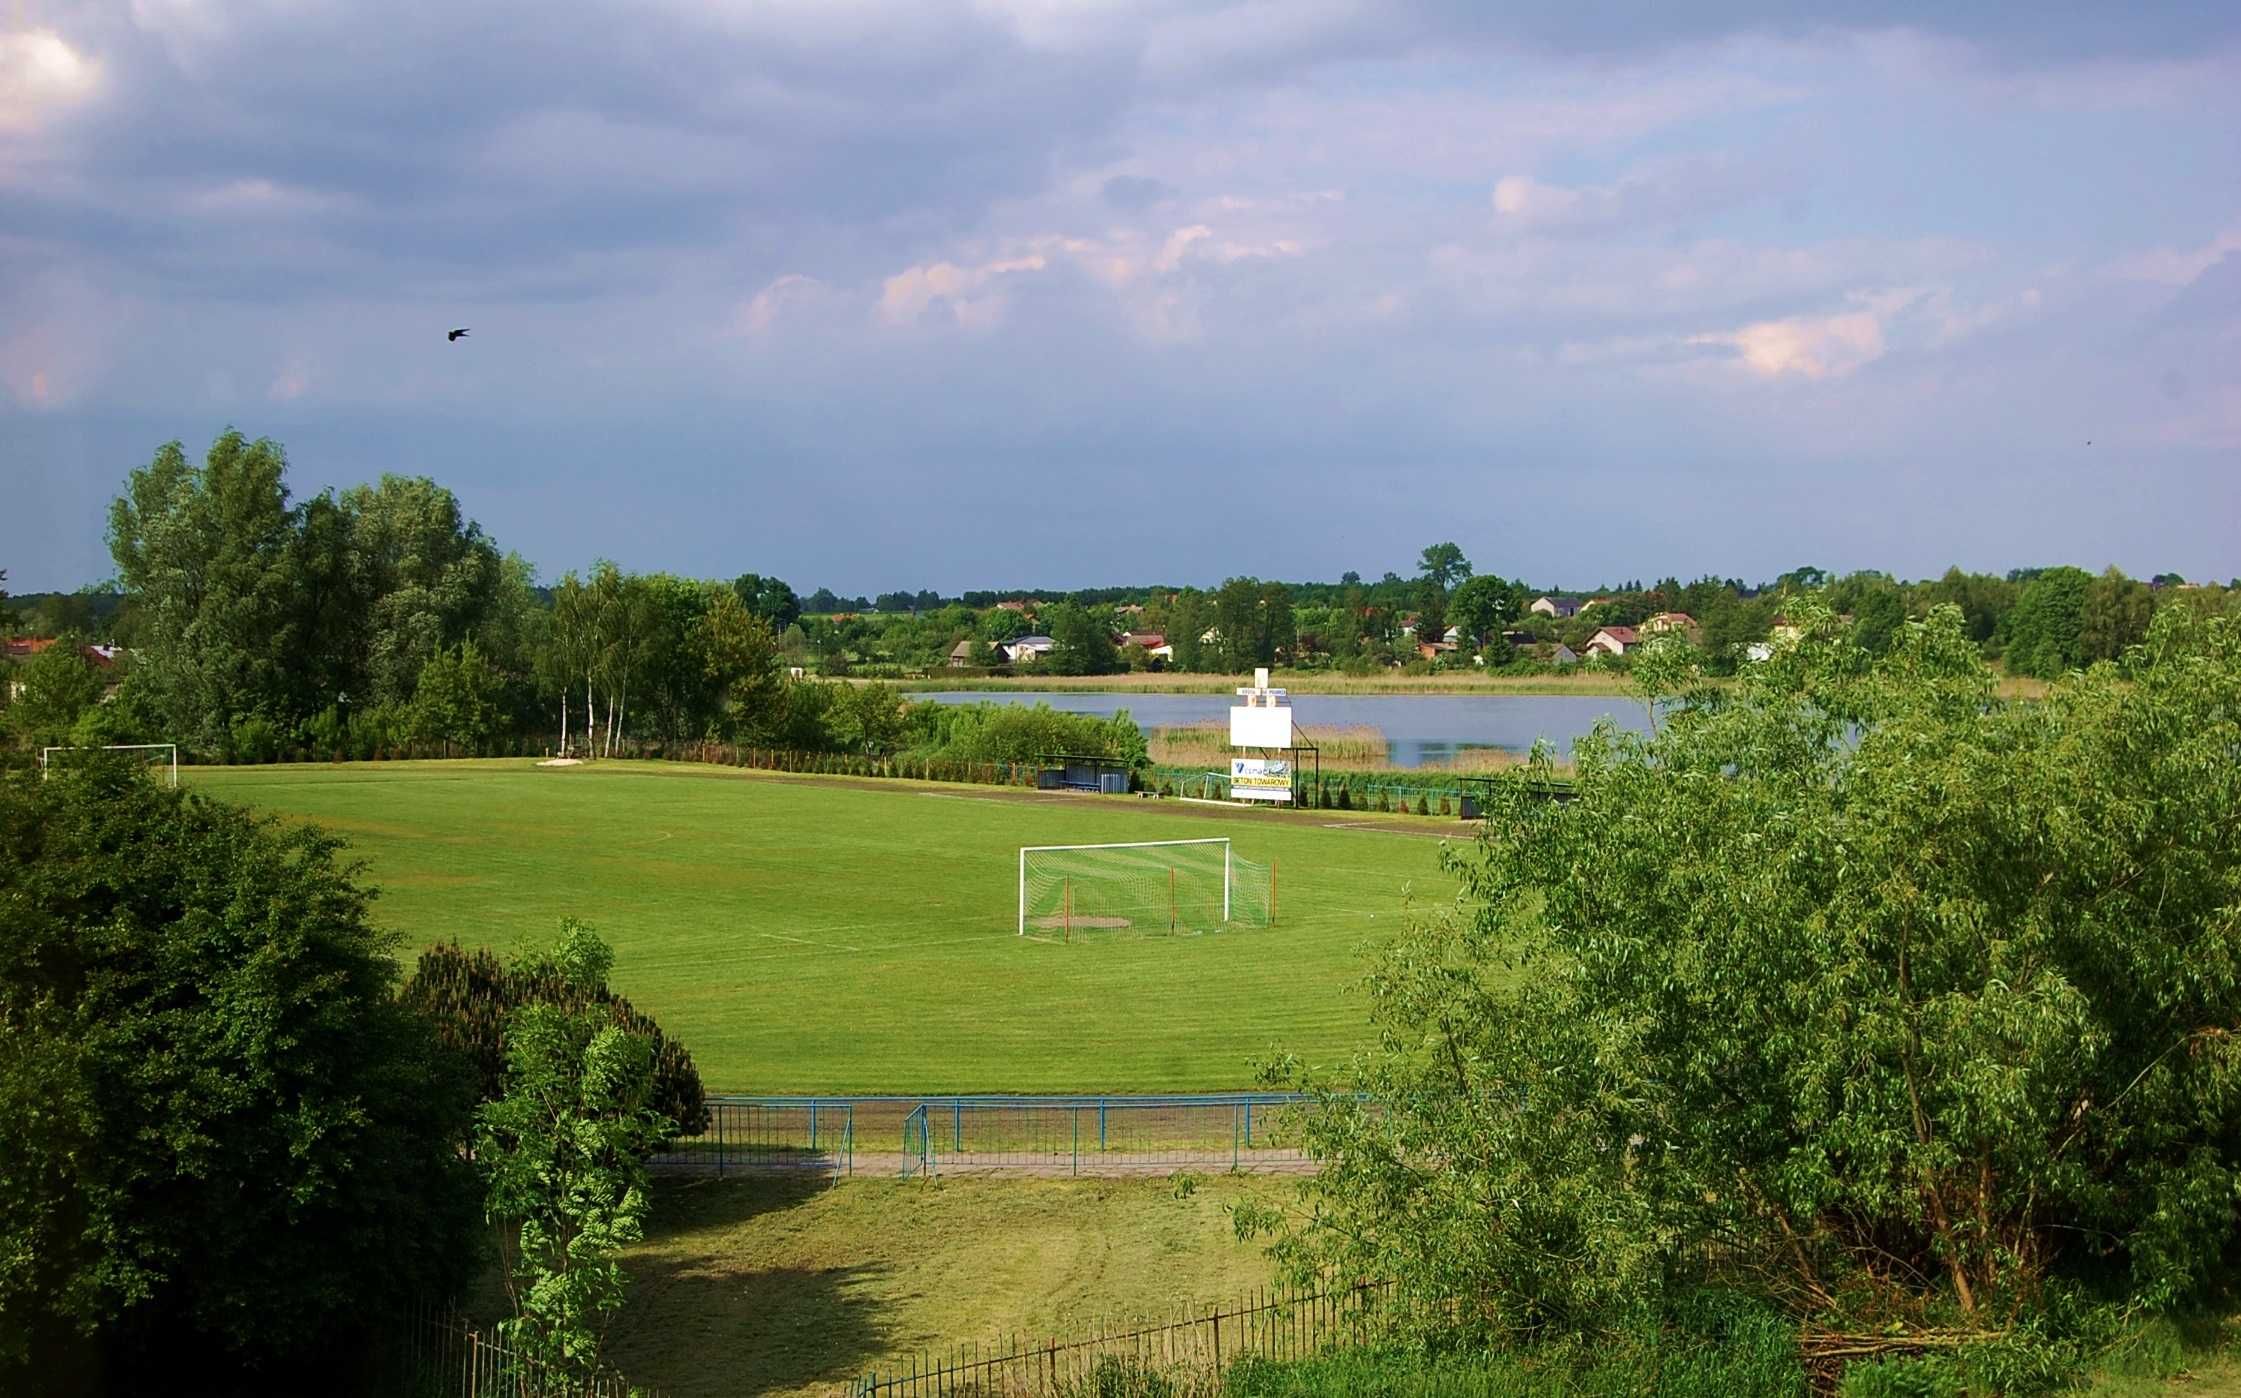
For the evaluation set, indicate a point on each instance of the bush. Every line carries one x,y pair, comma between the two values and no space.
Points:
471,997
1883,995
229,1149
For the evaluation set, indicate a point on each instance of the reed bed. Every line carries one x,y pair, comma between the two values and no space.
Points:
1344,745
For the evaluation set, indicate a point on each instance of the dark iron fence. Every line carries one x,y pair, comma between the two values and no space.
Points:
816,1134
1186,1353
439,1355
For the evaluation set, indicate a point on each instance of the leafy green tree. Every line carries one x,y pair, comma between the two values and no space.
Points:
1189,617
229,1148
457,699
204,553
2117,613
2046,630
1484,605
1443,566
470,997
52,689
1984,601
1431,614
768,598
427,572
741,659
1082,641
564,1151
1853,987
1000,625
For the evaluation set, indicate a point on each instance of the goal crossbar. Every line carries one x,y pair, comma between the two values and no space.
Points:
1026,850
46,753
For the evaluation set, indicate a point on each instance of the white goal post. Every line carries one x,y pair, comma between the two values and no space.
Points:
46,755
1170,885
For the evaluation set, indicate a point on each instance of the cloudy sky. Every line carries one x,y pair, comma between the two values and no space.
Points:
1068,292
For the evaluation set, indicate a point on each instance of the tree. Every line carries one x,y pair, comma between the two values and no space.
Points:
2046,630
58,685
564,1150
769,598
1484,605
229,1147
1001,625
822,602
1443,566
1882,998
1431,613
471,997
741,658
2116,616
204,553
456,701
1082,642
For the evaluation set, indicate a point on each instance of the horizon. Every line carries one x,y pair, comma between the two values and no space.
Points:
1190,290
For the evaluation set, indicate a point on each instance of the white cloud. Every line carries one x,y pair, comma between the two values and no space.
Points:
1813,347
1178,243
784,294
2179,266
908,294
1523,197
41,73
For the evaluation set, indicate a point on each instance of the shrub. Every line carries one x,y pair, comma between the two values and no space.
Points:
1883,995
228,1145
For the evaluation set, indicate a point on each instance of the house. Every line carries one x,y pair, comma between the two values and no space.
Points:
1025,606
1147,640
1453,635
1554,606
1784,629
1563,655
1164,652
1433,650
1590,603
962,654
1669,621
1613,640
1029,649
101,659
1129,609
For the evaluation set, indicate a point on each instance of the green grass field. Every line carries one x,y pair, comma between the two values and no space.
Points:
805,936
791,1286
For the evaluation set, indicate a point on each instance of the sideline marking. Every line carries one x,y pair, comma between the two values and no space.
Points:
821,946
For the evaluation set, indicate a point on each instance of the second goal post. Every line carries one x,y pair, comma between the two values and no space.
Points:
1147,885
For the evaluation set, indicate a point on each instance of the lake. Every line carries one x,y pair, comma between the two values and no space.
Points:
1418,728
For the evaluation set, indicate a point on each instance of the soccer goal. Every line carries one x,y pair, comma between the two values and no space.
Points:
161,757
1151,886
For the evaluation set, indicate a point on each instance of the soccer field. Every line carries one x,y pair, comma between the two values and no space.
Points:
807,936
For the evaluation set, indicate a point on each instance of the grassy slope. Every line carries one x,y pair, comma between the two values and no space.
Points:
791,1286
818,937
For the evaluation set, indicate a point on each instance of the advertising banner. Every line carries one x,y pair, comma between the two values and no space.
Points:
1260,779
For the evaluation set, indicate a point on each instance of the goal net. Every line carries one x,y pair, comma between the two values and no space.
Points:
162,758
1151,886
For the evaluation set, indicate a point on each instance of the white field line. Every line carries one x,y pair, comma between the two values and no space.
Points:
833,946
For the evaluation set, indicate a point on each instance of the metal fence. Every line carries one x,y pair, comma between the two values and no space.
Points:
1185,1355
439,1355
1102,1135
745,1134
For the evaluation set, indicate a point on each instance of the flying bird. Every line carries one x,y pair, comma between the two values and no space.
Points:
457,334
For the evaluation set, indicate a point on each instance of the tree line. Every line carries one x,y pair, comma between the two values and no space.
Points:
381,619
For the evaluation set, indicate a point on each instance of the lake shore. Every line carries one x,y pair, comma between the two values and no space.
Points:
1295,681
